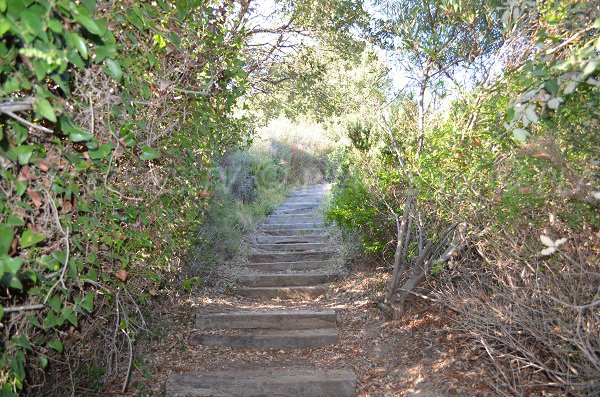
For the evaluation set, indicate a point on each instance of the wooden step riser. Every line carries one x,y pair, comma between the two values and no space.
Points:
281,383
297,247
293,219
319,238
286,319
294,232
288,266
268,257
267,341
292,226
299,203
291,293
297,211
285,280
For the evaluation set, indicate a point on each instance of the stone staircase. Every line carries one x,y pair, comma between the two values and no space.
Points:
290,261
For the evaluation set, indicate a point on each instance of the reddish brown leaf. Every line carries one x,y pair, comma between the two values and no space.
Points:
525,190
44,165
36,198
13,246
118,152
121,275
66,207
26,174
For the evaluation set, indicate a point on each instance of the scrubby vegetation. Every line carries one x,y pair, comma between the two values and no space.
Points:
490,206
132,160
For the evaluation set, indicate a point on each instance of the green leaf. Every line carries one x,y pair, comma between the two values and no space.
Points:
15,283
56,345
70,315
90,5
78,43
33,319
87,303
43,361
552,87
22,341
10,265
55,26
14,220
29,238
55,303
149,153
114,69
510,115
101,152
75,132
80,136
6,237
521,134
44,108
1,312
33,22
4,25
52,320
21,186
23,153
89,24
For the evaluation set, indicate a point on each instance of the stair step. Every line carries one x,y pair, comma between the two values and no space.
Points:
308,210
294,232
270,339
293,219
284,266
285,280
265,257
275,319
301,202
291,247
264,383
291,226
311,292
314,238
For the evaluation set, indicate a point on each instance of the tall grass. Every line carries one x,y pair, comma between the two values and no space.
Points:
250,183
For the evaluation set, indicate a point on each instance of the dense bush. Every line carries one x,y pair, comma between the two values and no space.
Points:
111,116
503,186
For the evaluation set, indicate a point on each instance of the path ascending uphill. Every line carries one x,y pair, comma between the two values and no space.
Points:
289,266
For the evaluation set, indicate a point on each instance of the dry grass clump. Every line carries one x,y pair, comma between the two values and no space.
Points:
537,318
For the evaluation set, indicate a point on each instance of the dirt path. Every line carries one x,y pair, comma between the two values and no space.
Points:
419,355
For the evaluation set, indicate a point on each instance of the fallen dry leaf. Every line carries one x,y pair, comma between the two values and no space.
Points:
36,198
121,275
44,165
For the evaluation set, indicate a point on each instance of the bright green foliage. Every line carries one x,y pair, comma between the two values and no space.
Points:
112,115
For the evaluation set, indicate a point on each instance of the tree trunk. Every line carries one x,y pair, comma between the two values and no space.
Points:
421,120
399,261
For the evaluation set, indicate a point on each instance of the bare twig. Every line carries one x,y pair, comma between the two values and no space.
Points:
23,308
129,364
27,123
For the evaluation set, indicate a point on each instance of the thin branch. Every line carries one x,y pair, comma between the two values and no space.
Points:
128,374
13,309
27,123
